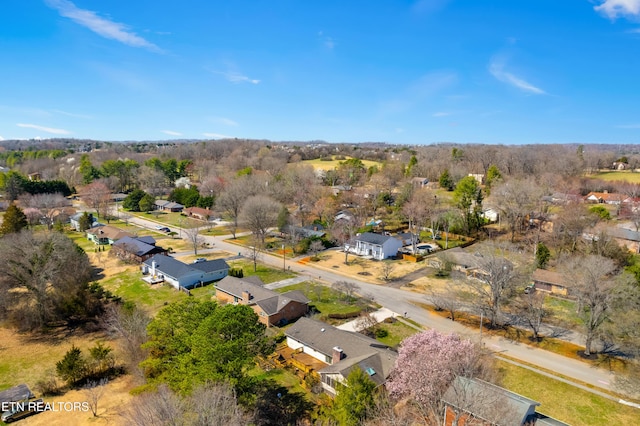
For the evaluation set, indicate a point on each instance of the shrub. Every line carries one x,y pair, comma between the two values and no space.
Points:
381,333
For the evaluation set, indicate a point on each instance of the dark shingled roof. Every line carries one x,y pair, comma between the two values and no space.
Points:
169,266
211,265
137,246
16,394
372,238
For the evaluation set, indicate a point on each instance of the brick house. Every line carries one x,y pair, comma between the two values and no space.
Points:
271,307
106,234
549,281
198,213
137,249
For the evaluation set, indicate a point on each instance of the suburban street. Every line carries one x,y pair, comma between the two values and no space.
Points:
402,301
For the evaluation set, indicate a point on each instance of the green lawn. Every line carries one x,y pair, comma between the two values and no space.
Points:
266,274
398,331
627,176
563,311
325,299
566,402
131,287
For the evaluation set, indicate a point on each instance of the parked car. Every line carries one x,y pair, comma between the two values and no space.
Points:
17,412
200,259
163,228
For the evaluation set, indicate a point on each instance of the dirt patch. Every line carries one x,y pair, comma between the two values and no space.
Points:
114,400
366,269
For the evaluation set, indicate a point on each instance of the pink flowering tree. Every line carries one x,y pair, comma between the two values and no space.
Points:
427,364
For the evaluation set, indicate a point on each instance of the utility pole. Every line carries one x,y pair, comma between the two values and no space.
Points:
283,258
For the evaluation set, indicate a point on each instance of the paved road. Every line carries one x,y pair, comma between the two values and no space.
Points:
403,301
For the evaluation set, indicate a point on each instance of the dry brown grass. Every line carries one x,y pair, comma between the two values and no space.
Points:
362,269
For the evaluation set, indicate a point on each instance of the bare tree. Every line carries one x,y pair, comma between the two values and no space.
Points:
48,204
154,409
417,210
447,300
129,323
347,288
214,404
531,310
515,199
94,390
259,213
192,235
97,195
366,322
594,281
233,198
496,280
254,252
387,269
316,247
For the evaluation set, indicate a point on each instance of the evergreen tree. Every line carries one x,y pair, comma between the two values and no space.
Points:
13,221
355,398
445,180
542,256
73,367
147,202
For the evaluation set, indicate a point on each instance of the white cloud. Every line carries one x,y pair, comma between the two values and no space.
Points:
225,121
441,114
70,114
171,133
44,129
236,77
1,138
634,31
327,41
416,92
216,136
616,8
496,68
101,26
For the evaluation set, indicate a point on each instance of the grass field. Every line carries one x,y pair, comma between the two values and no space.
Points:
566,402
266,274
319,164
327,300
627,176
398,331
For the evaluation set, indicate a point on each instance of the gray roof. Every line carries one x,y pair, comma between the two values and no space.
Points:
148,240
16,394
623,234
211,265
372,238
169,266
236,286
277,302
304,232
357,348
489,402
137,246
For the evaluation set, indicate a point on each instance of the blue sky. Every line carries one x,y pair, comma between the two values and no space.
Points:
417,72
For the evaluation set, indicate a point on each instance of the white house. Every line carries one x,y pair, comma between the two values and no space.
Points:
378,246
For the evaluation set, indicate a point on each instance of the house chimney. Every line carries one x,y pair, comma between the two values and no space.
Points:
337,355
153,268
246,297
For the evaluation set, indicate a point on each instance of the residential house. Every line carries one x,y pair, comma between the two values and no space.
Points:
337,189
137,249
549,281
106,234
604,198
472,264
304,231
476,402
344,215
74,220
377,246
164,268
479,177
490,214
625,237
272,308
341,351
199,213
169,206
419,182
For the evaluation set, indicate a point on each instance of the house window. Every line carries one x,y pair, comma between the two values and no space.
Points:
235,299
